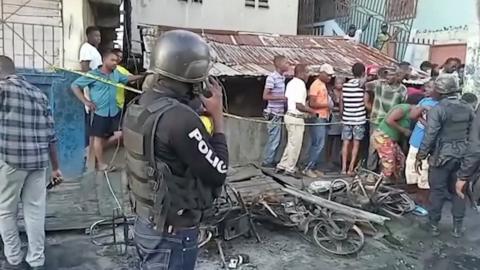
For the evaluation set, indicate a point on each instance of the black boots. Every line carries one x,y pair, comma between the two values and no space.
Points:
457,231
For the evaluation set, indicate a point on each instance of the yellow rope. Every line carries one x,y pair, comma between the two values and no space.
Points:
229,115
97,78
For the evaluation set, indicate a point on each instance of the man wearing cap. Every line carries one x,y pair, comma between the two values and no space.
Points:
446,142
320,102
355,34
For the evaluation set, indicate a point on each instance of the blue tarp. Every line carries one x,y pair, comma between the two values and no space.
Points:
69,115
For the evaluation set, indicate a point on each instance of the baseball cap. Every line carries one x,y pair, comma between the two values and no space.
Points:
327,69
372,69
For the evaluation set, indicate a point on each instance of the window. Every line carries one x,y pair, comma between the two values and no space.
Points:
197,1
399,10
263,3
250,3
319,30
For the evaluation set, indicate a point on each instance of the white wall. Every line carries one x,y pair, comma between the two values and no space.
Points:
77,16
280,17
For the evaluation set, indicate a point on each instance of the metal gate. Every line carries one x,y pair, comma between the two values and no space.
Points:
399,14
31,33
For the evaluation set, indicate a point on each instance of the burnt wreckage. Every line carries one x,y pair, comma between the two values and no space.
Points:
333,215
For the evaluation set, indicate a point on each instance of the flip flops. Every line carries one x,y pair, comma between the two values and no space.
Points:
420,211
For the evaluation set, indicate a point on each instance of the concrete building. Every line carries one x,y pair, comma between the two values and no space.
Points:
39,34
266,16
431,30
451,31
333,17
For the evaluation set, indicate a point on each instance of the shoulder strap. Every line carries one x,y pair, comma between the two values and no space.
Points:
157,110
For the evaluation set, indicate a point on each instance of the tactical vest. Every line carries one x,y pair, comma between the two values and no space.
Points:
155,193
146,176
457,125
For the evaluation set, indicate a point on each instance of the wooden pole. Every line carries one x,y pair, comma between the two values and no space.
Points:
337,207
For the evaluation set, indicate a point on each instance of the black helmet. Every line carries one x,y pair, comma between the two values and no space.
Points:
182,56
447,84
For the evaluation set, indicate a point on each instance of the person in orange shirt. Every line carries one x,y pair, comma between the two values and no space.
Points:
320,101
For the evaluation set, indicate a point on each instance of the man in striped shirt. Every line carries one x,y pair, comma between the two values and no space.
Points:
354,116
274,94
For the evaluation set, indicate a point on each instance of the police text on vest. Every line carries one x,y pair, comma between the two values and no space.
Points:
203,147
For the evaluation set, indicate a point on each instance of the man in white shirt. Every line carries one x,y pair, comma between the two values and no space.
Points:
354,34
90,57
296,94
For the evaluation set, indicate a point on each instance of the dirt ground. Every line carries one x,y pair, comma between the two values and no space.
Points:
410,247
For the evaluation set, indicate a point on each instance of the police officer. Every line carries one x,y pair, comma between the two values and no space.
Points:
174,167
446,142
469,172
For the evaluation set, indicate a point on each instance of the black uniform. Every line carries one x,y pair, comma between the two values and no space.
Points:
446,141
469,170
171,191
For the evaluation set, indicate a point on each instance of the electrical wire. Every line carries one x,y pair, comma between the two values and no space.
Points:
115,153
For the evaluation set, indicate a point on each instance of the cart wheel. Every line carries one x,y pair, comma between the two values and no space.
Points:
396,204
346,239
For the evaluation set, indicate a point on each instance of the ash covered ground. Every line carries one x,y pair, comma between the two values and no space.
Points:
409,247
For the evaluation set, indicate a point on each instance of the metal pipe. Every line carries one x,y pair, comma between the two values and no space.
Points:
43,46
23,55
13,42
3,29
33,46
337,207
53,45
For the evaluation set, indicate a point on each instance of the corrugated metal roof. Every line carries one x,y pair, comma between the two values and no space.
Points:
249,54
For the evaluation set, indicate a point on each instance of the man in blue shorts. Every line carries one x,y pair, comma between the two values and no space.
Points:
105,115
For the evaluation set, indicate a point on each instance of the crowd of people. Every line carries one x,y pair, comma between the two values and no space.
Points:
392,118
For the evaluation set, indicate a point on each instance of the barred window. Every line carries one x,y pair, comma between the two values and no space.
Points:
250,3
398,10
263,3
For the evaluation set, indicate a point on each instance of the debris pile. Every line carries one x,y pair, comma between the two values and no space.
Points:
333,214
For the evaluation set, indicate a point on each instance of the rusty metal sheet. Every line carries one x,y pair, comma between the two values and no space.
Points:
252,54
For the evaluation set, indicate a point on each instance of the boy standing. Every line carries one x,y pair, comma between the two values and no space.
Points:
354,116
